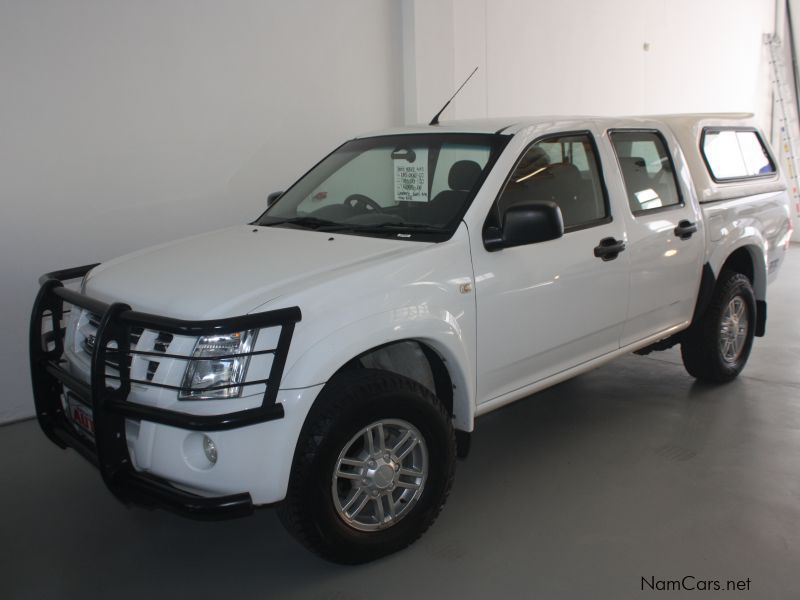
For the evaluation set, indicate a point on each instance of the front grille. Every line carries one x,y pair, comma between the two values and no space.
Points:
155,341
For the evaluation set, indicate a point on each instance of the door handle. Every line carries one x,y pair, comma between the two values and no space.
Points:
609,248
685,229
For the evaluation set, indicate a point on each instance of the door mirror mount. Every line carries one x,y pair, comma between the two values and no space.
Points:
273,198
493,239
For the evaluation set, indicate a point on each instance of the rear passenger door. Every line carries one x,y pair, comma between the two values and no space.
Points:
665,237
546,307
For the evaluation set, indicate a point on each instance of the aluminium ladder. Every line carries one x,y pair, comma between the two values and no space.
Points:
783,99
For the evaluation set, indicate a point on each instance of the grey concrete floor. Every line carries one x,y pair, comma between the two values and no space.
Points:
630,471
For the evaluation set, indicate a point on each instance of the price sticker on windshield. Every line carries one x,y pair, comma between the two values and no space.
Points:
410,175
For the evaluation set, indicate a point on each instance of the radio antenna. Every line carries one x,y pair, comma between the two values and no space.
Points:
435,120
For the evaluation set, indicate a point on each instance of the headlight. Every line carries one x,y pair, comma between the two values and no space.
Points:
222,365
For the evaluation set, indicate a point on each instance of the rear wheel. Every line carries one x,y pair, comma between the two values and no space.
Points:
716,348
373,467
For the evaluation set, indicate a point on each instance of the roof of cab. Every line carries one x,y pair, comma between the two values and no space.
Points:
513,125
489,125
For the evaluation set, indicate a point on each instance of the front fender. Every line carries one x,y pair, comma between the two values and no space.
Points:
438,328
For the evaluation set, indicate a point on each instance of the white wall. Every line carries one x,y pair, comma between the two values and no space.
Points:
589,57
428,56
123,124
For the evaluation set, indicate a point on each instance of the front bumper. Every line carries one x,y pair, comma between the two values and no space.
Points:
107,395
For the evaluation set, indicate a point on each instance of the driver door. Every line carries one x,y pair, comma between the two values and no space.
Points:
546,307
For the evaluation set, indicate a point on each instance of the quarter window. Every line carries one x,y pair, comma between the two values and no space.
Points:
646,169
563,170
735,154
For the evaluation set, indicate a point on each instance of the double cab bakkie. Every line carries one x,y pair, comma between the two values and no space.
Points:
333,355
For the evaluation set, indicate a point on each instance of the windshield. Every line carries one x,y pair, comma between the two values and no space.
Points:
404,186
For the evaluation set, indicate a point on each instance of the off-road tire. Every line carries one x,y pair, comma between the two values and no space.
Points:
700,347
347,404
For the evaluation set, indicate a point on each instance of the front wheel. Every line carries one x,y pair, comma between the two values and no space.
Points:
716,348
373,467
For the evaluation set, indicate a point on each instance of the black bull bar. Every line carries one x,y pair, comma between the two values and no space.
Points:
109,403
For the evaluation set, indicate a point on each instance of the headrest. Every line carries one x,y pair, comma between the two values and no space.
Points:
463,175
632,163
564,170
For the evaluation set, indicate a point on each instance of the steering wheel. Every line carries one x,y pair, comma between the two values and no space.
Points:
362,203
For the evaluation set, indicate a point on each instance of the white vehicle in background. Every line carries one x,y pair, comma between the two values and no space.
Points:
333,355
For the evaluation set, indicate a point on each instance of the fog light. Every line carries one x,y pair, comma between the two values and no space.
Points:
210,449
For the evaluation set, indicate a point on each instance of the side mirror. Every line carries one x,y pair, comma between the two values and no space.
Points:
526,223
273,198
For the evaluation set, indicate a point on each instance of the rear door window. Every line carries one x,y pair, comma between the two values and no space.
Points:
647,169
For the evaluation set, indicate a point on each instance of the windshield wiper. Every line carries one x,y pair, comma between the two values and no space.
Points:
310,222
389,226
318,224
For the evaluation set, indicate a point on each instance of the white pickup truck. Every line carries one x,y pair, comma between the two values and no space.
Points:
333,355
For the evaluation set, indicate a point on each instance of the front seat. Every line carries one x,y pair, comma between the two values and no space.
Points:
463,176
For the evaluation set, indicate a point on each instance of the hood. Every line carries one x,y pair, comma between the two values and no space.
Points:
232,271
